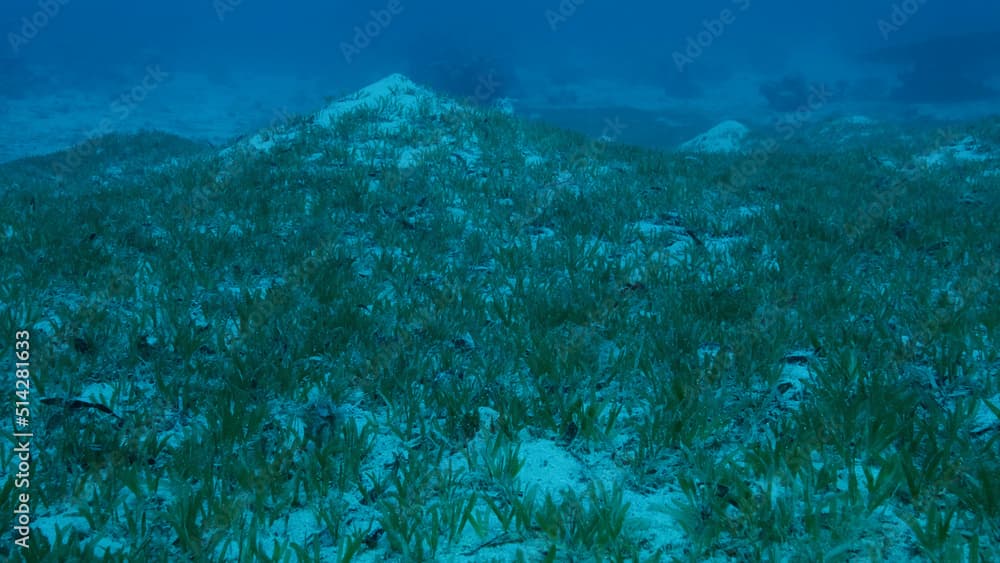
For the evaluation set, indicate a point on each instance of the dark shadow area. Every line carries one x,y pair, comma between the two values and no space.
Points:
953,68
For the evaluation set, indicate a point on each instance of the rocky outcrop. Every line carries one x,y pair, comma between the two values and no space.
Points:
726,137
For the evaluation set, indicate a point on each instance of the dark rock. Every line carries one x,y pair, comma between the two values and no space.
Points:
480,79
953,68
786,94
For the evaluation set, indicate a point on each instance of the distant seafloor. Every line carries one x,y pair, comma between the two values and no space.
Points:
203,107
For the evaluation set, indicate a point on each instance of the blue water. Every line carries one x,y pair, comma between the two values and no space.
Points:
878,57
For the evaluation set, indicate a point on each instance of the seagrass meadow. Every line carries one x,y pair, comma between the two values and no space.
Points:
409,328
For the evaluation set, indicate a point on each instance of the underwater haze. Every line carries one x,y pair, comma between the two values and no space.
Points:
685,64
